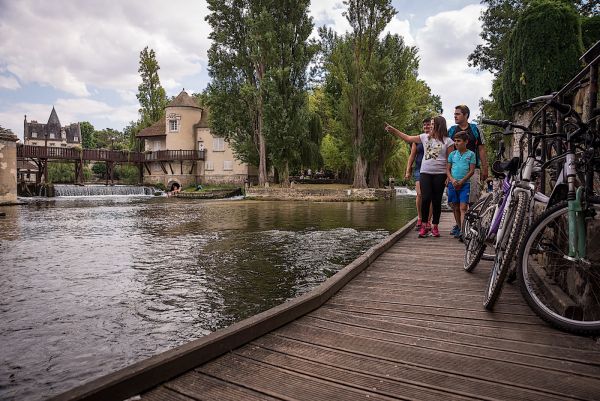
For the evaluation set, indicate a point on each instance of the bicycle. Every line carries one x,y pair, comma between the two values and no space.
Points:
559,260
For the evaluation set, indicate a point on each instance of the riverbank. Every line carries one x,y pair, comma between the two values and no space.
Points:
321,193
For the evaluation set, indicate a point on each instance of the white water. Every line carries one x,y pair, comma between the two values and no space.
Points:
405,191
101,190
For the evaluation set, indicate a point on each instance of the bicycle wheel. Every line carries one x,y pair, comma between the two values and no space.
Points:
563,291
476,225
505,251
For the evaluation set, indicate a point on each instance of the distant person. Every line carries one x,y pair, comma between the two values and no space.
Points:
476,144
436,147
416,157
461,166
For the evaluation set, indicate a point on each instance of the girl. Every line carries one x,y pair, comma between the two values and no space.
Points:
437,145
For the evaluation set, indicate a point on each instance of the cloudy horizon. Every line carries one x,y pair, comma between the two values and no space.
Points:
82,58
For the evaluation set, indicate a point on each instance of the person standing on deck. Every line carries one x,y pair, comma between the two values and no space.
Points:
416,157
461,166
436,147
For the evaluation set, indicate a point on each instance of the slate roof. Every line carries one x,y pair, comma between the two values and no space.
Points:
53,126
184,100
156,129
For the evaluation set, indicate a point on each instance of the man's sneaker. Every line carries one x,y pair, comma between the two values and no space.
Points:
458,234
423,231
455,230
418,225
435,232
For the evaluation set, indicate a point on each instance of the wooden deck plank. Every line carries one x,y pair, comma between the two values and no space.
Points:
481,367
442,381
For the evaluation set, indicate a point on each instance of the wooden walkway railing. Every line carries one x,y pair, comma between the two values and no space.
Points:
410,326
117,156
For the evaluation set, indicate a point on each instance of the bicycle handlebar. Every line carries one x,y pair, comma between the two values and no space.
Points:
507,125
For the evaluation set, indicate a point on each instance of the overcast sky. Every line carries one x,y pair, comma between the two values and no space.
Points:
82,56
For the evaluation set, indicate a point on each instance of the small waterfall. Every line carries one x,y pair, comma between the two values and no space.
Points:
101,190
405,191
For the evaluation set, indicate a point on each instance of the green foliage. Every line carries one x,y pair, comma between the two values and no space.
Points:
590,31
369,80
337,156
127,174
534,65
88,140
99,168
258,61
151,94
498,19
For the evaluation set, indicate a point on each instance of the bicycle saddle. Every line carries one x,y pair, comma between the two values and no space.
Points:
500,168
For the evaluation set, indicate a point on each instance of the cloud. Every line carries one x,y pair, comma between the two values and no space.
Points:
402,28
444,44
74,46
329,13
9,83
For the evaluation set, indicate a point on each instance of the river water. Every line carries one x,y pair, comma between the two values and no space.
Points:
89,285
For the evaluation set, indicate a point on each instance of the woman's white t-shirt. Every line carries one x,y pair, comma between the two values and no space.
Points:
435,157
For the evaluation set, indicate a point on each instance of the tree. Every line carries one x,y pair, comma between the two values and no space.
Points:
367,18
498,20
534,66
151,94
88,140
257,62
286,116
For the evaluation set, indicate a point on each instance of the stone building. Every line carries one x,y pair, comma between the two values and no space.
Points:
185,128
51,133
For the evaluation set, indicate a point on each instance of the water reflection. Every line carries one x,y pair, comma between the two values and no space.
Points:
91,285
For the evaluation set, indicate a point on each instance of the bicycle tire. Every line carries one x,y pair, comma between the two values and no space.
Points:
503,259
547,277
475,230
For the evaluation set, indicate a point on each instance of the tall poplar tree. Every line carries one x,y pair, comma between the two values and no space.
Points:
367,18
151,94
257,62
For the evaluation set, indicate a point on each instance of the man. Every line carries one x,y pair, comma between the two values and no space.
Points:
476,143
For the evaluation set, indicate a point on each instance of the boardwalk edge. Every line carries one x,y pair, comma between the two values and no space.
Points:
146,374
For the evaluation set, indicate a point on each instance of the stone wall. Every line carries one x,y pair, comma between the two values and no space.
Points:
325,194
8,167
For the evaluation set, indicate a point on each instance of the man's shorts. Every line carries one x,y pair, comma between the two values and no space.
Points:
459,195
475,186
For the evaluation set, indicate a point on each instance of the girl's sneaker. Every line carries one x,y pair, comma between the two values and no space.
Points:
423,231
435,232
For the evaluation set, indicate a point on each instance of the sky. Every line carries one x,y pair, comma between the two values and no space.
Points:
82,56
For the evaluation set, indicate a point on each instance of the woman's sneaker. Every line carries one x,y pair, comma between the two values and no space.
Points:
455,230
435,232
418,225
423,231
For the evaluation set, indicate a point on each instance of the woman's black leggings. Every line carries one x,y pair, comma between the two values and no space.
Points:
432,190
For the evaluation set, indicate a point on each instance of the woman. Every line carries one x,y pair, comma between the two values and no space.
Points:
437,145
416,157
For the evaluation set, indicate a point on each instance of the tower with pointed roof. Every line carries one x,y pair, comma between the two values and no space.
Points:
52,133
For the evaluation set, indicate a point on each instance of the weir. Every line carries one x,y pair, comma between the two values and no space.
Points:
101,190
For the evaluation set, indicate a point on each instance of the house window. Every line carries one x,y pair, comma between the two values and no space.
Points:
228,165
209,165
75,139
173,125
34,134
218,144
51,136
200,145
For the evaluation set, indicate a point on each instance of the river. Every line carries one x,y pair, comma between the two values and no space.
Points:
89,285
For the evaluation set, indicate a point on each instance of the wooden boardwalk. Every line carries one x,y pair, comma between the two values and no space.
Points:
411,326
